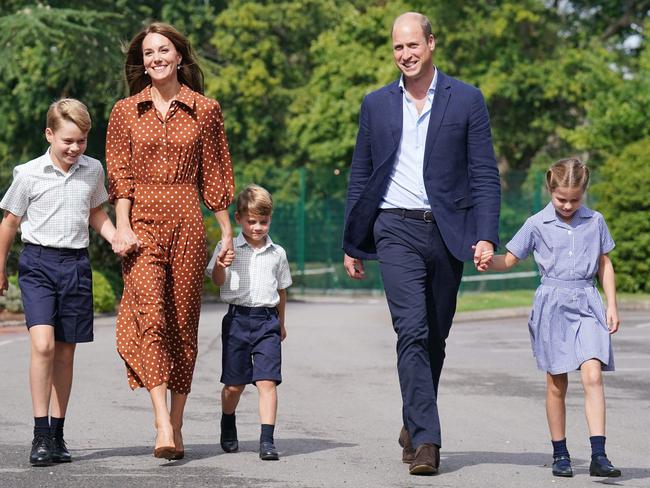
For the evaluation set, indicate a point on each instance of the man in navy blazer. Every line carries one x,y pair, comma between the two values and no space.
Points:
423,197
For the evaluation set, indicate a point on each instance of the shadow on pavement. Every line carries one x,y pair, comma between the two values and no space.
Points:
453,461
286,447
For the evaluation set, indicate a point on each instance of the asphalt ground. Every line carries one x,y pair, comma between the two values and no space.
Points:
339,410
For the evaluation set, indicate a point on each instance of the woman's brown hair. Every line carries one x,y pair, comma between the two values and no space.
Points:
189,73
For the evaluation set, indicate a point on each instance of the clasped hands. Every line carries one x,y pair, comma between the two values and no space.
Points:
483,255
125,242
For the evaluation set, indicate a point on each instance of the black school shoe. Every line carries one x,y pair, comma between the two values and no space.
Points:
41,454
268,452
562,466
60,453
228,440
600,466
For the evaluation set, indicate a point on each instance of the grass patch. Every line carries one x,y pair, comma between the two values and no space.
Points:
472,301
469,302
642,297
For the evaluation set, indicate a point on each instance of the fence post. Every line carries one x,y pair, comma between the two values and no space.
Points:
537,200
301,228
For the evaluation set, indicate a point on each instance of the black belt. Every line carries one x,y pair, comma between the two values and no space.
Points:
54,251
425,215
244,310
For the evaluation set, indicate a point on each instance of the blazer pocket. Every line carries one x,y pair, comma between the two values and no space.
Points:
463,202
452,126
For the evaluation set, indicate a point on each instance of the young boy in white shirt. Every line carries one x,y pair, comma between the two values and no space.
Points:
255,287
54,198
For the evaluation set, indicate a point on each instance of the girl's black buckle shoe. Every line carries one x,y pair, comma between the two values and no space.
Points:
601,466
562,466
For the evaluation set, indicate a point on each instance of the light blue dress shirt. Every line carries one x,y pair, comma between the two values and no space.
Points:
406,186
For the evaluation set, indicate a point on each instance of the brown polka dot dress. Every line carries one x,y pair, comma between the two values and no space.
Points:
164,166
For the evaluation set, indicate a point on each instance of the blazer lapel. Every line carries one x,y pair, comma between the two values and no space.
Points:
438,108
395,112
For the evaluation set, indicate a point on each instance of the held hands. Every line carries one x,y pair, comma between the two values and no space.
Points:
227,254
613,322
483,255
354,267
124,241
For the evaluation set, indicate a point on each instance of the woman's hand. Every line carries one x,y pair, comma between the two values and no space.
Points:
227,254
124,241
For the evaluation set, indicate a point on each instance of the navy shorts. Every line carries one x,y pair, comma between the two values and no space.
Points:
57,289
251,345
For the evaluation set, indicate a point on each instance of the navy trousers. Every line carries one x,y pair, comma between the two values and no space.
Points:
421,279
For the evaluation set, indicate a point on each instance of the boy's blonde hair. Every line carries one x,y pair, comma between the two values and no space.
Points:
71,110
255,200
567,173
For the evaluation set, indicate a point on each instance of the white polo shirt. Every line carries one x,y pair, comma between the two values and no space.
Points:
55,206
256,275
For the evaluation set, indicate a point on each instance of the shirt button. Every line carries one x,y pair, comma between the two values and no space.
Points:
570,232
570,253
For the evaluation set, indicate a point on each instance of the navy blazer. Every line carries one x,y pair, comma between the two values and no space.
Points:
460,171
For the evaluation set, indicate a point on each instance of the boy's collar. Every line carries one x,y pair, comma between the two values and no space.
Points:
240,241
47,161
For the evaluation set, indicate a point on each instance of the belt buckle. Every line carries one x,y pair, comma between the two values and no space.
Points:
427,216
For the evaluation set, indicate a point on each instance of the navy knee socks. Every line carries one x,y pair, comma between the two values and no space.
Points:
559,448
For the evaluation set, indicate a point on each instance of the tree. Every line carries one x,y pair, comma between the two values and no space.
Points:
351,59
622,197
263,57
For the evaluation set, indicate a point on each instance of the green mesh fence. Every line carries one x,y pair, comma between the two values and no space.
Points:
310,229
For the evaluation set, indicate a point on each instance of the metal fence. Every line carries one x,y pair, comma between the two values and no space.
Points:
310,230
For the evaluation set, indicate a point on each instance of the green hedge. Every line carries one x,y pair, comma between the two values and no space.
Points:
623,198
103,294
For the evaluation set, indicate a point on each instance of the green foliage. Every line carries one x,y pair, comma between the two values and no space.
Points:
617,116
623,200
103,294
263,56
43,59
558,78
351,59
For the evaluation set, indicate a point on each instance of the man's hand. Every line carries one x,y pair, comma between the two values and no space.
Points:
485,261
482,256
354,267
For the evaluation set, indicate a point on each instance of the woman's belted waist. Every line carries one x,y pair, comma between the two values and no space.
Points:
166,200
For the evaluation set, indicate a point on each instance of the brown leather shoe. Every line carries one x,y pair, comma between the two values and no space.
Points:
427,460
408,453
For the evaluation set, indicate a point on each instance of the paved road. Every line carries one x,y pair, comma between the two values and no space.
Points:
339,411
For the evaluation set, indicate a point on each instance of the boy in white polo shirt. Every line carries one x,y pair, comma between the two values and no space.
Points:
255,287
53,199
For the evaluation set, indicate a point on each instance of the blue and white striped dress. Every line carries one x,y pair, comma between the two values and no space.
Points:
568,323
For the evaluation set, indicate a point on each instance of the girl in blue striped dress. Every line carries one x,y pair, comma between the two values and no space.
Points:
569,326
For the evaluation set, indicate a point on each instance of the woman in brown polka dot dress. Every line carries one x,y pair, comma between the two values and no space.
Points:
166,148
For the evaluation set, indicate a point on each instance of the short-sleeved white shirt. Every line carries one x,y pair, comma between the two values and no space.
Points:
55,206
256,275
